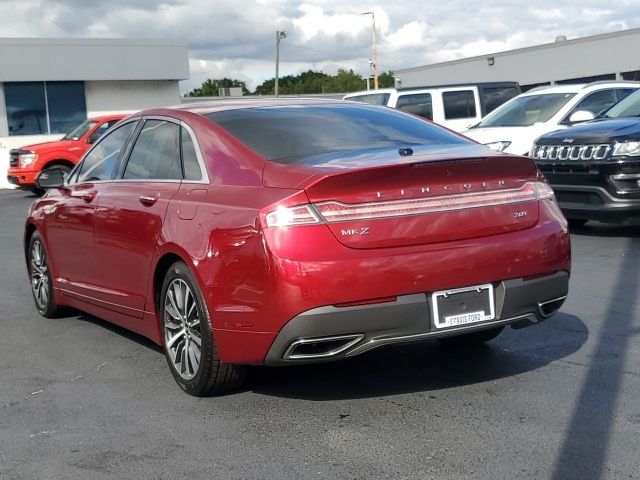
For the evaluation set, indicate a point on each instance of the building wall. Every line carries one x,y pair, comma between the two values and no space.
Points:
570,59
37,59
129,96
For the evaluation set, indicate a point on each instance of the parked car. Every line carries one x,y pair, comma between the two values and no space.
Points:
27,162
454,106
594,168
514,126
295,231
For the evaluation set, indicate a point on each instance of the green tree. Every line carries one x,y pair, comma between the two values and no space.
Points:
386,80
210,87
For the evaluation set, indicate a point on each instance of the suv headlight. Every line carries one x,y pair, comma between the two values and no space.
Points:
498,146
631,149
27,159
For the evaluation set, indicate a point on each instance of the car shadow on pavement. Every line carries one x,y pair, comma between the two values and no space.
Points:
425,366
597,229
587,438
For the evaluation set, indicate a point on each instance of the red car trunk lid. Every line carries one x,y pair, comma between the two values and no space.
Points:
436,201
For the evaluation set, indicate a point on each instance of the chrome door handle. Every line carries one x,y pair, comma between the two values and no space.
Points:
148,199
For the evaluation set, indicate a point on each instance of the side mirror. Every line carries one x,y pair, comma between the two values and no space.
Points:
51,178
581,116
93,137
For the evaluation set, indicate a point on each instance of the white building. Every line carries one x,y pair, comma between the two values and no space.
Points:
612,56
48,85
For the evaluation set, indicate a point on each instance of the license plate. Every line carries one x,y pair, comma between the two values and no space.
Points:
462,306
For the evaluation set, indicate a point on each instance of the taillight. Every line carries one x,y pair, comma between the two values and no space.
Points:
338,212
334,211
288,216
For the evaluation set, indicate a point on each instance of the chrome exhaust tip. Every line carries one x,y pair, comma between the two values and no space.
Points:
548,308
321,347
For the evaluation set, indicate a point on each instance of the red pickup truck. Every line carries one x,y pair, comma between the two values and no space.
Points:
27,162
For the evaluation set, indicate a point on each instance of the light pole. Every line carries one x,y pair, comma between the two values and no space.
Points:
374,49
279,36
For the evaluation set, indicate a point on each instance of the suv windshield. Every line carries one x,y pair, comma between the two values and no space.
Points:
292,134
627,107
79,131
526,110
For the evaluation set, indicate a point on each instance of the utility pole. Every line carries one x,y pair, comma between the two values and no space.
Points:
279,36
374,49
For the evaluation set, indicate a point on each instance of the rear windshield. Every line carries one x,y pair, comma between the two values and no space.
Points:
293,134
526,110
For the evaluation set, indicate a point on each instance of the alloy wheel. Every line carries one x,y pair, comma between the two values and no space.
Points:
182,328
39,275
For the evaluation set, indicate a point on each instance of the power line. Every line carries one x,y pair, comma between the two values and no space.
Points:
328,53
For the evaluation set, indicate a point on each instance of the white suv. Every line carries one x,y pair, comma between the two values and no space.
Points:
513,127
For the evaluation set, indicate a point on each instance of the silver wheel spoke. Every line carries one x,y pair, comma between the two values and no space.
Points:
182,328
39,275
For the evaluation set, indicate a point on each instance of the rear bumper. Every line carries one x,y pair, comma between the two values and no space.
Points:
597,204
349,331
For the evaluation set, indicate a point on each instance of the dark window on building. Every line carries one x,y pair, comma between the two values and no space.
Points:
526,88
156,153
26,108
40,108
189,158
67,105
595,78
417,103
635,75
459,104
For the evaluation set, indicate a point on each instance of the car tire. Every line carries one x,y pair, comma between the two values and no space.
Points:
188,339
472,339
40,278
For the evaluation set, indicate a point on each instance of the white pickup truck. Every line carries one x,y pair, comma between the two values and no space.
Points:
454,106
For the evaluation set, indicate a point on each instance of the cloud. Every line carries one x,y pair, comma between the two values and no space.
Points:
237,39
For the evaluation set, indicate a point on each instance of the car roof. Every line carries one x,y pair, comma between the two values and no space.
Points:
204,108
109,117
370,92
577,87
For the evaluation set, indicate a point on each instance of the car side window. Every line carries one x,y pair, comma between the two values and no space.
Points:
190,162
99,164
156,153
623,92
417,103
459,104
596,102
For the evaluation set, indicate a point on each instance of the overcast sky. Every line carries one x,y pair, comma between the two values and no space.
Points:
236,39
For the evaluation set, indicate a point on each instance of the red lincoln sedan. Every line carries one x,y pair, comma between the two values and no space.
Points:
283,232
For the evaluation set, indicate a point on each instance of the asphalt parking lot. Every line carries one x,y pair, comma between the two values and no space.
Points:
80,398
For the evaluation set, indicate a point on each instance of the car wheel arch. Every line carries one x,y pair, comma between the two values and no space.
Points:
59,162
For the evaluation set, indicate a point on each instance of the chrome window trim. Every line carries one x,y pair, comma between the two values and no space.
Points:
76,170
180,123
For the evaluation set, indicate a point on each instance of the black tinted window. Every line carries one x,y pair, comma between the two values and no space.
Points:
417,103
493,97
156,153
100,162
460,104
288,134
189,158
